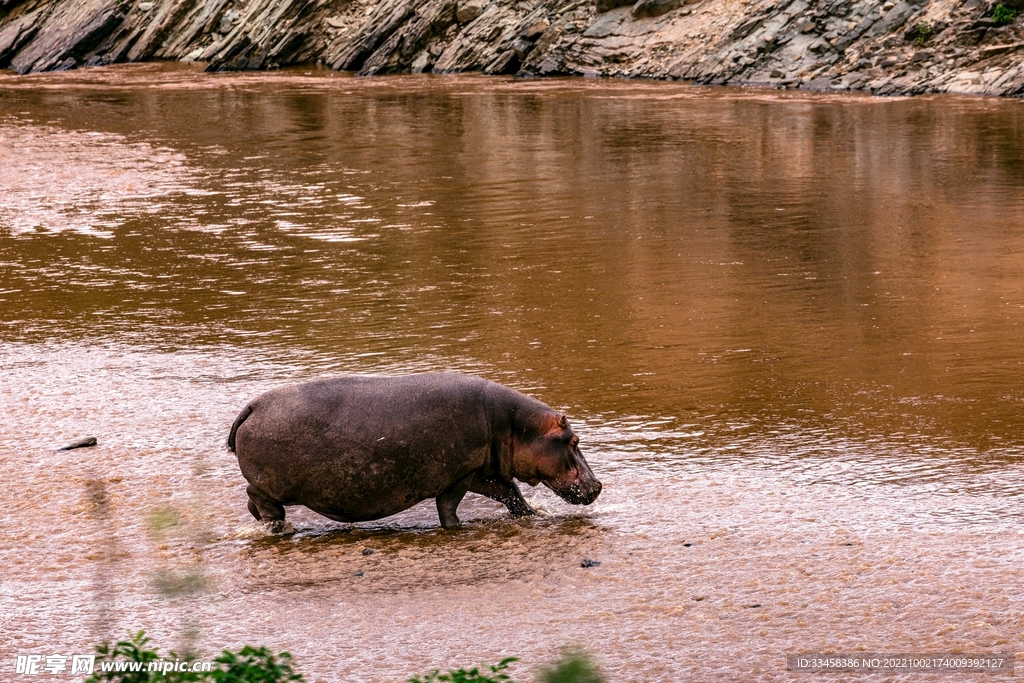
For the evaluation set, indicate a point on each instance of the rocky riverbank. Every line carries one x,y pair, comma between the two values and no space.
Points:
881,46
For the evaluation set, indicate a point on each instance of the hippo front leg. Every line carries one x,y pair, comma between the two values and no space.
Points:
448,502
504,492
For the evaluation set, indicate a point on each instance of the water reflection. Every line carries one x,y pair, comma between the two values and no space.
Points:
781,254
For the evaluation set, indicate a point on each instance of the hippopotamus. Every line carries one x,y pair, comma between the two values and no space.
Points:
358,448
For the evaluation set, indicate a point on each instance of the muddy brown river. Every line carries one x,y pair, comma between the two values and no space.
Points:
788,328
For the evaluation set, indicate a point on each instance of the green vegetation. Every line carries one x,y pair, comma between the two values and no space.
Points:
922,32
131,650
133,661
1003,15
129,661
574,666
473,675
254,665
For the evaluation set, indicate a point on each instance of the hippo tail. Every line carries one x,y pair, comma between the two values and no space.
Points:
246,412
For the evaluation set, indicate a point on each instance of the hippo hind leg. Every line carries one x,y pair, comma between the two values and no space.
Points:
253,510
264,508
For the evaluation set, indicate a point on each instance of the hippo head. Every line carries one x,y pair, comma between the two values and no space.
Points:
546,451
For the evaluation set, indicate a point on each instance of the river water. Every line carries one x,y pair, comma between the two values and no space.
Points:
787,327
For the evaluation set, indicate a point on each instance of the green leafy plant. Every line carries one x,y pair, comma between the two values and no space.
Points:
575,666
473,675
1003,15
254,665
127,661
922,32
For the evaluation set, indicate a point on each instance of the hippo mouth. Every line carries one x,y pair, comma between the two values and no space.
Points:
579,492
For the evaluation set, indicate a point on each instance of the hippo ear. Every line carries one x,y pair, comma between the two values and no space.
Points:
563,421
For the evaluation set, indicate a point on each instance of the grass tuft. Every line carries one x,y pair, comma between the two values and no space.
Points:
1003,15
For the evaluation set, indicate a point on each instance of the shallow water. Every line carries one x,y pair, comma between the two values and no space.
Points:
787,328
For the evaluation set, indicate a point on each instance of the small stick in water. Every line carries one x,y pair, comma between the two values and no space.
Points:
81,443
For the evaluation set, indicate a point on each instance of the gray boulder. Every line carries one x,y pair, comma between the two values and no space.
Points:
468,10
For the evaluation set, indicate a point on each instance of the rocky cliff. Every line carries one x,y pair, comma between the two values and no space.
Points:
883,46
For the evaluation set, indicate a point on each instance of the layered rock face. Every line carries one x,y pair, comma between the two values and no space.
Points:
883,46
